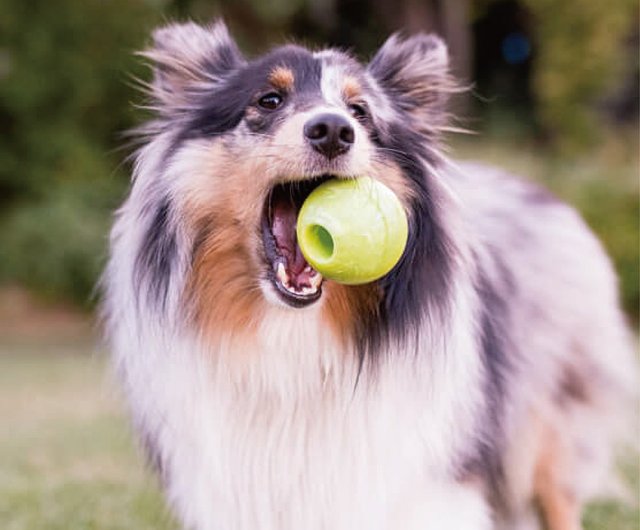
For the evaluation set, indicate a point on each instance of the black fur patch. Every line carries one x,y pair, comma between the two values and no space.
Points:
499,359
413,72
224,108
153,453
419,286
157,255
227,58
573,386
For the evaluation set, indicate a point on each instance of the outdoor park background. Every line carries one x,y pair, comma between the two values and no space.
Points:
554,97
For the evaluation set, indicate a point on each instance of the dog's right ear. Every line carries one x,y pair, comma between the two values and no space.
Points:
414,72
186,56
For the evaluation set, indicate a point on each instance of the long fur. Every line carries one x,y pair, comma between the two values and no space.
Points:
485,375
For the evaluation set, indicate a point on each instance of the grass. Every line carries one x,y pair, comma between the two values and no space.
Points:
67,461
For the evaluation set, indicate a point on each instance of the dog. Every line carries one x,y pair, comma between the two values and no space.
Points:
481,384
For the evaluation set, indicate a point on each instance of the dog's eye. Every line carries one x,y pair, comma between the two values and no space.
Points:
271,101
358,111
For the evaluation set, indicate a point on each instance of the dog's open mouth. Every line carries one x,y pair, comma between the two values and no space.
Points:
297,283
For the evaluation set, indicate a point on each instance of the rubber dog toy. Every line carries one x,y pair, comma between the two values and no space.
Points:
352,231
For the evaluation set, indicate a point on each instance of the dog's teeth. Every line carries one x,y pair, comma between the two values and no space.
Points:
282,275
302,290
316,281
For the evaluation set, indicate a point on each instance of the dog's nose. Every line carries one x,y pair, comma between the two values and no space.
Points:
329,134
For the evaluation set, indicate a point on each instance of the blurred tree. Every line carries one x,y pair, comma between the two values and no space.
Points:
570,51
63,90
64,100
579,57
448,18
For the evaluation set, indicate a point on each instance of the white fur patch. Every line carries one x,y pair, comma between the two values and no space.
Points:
279,438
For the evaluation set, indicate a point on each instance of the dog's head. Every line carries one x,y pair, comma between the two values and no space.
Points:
238,144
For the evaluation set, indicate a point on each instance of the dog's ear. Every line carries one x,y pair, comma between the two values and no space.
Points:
186,56
414,72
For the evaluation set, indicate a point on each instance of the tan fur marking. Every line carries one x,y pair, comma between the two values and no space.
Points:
224,298
282,78
558,505
351,89
222,286
345,303
207,188
391,176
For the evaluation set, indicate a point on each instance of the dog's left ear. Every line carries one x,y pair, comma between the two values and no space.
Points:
187,55
414,72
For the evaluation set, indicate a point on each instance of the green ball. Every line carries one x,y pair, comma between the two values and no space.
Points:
352,231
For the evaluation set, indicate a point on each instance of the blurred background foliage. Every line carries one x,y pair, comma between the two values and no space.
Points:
554,96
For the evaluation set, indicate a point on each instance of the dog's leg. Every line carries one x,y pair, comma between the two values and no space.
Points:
559,507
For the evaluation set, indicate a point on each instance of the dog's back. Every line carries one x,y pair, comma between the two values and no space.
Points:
567,383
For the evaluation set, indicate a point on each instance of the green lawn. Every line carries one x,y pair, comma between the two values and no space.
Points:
67,461
66,457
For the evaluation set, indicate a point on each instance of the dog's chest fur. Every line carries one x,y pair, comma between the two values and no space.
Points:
276,434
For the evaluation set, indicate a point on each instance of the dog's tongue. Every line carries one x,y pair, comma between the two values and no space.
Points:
284,216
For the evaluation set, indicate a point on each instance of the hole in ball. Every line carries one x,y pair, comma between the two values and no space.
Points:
320,242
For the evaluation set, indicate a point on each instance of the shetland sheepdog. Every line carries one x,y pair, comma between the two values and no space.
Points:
478,385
